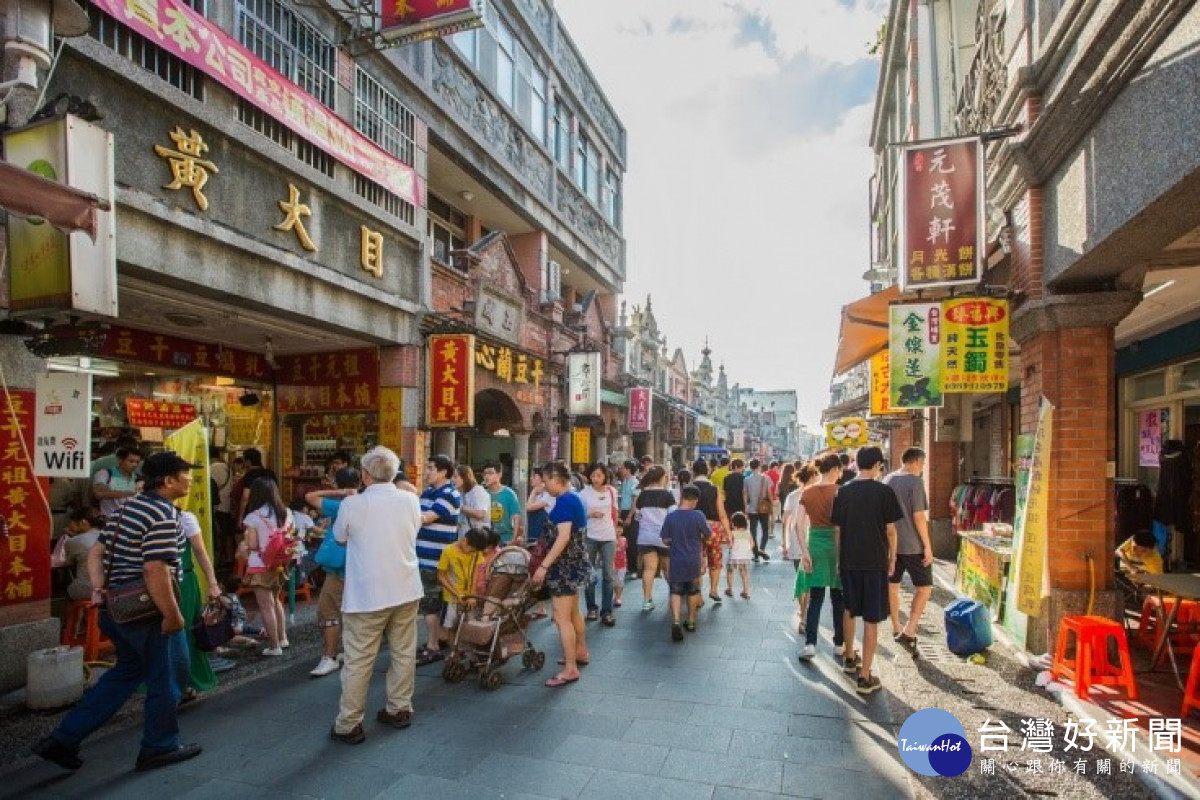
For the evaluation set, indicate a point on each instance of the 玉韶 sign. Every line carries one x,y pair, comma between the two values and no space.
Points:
941,225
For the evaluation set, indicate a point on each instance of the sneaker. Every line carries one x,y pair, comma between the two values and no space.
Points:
868,685
676,632
689,626
648,605
181,753
273,651
325,666
400,720
909,643
765,557
809,651
608,620
58,753
353,736
851,665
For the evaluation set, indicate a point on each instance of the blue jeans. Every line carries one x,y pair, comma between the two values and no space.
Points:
812,622
602,555
144,655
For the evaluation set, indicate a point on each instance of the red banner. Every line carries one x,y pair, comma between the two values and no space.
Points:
639,410
450,402
329,382
128,344
158,413
404,21
186,34
24,515
942,234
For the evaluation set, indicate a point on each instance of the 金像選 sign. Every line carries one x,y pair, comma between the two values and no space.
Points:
639,410
974,345
942,227
914,350
450,402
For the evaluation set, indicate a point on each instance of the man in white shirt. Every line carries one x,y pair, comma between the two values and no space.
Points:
383,586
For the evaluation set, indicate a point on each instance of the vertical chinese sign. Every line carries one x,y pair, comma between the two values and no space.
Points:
942,228
639,410
450,384
24,513
581,445
583,384
881,386
676,426
974,345
391,426
1034,523
914,350
1151,424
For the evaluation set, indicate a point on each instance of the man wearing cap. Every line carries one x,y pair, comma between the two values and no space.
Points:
144,541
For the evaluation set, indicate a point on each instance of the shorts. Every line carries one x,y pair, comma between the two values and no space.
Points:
685,588
865,594
663,552
272,580
431,603
620,577
329,603
921,575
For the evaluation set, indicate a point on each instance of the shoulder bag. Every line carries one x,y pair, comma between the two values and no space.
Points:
130,602
764,505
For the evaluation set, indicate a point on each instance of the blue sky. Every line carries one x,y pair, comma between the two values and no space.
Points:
746,192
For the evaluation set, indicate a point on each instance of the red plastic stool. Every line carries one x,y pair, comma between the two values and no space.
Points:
1090,666
1148,633
1191,698
91,639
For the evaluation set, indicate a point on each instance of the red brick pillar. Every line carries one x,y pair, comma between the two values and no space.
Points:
402,367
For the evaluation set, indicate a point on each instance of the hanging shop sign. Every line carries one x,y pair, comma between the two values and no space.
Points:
974,345
706,433
450,383
1151,424
129,344
510,366
982,568
847,432
63,425
158,413
50,270
347,380
191,444
186,34
941,226
408,21
581,445
1034,523
676,426
391,418
24,513
881,386
738,435
640,399
583,384
915,353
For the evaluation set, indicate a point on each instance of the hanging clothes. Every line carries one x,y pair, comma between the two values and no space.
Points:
1135,510
1171,506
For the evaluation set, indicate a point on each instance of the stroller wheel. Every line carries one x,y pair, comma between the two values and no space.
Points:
490,680
527,659
454,672
539,660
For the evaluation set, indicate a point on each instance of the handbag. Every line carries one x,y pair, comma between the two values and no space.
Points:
130,602
331,555
764,504
213,628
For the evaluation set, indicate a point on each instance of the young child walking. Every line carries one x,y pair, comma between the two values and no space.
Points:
621,567
684,531
741,552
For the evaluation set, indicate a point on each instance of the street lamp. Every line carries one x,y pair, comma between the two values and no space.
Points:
29,30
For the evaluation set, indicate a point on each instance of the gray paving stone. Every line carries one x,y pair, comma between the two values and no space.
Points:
731,696
731,793
604,684
596,726
683,735
724,770
536,776
633,757
605,785
742,719
822,782
318,780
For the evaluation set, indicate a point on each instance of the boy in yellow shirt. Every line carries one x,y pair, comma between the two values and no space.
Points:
456,571
1139,553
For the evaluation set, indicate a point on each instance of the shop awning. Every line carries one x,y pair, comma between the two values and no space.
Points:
864,330
28,194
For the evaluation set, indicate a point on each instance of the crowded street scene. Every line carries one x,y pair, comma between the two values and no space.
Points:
720,399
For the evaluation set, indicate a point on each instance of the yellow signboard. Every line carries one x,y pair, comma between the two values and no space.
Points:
191,444
391,428
1034,537
581,445
975,345
847,432
881,385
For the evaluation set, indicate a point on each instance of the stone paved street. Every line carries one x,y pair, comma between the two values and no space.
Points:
729,713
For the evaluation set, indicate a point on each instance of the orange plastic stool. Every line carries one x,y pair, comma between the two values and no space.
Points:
1090,666
92,639
1148,633
1191,698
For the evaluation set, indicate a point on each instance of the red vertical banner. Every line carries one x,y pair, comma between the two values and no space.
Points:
450,384
24,515
942,233
639,410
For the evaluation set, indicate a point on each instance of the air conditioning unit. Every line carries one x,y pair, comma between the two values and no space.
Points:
552,293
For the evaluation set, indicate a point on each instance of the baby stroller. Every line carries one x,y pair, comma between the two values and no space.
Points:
493,629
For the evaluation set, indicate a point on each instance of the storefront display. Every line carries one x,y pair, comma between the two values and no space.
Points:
984,509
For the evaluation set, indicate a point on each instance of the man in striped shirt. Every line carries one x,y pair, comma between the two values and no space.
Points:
440,507
144,540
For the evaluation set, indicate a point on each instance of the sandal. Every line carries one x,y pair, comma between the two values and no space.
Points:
593,615
582,662
557,682
427,656
189,695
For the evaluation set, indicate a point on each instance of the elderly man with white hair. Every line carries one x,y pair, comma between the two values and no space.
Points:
383,586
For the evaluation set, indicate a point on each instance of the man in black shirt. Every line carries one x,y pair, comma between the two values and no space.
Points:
865,513
733,487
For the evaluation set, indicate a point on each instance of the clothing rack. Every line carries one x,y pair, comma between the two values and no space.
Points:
977,480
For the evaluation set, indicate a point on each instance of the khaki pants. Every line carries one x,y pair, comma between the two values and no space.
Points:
362,634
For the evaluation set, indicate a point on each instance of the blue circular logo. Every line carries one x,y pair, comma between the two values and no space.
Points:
933,742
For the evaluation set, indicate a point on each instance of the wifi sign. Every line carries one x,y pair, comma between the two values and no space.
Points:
69,444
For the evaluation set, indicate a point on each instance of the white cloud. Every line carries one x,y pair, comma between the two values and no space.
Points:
746,195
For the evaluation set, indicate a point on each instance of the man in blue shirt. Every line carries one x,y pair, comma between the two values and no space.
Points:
440,506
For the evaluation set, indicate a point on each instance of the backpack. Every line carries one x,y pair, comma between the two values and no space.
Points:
280,548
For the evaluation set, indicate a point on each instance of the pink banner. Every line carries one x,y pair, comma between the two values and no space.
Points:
639,410
184,33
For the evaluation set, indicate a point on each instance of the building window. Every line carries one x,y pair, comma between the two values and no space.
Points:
147,55
467,44
506,62
392,203
381,117
447,230
262,122
612,197
562,135
274,33
583,152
